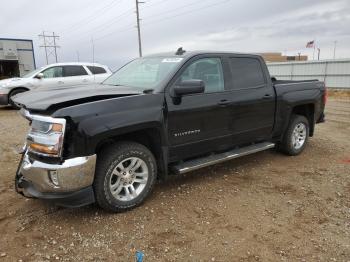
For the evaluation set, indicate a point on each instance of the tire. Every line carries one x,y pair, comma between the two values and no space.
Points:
118,183
296,136
13,93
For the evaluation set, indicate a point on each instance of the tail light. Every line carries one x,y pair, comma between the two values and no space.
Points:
325,95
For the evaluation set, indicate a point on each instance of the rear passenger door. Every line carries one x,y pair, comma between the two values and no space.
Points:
253,100
199,123
99,74
75,75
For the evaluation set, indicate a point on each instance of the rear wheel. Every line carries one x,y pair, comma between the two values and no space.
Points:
296,136
12,94
125,175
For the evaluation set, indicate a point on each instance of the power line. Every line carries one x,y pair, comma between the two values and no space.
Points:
123,29
157,3
177,8
129,28
50,45
92,17
107,24
183,13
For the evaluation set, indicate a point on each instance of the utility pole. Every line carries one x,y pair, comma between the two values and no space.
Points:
50,45
93,50
43,35
335,46
138,26
54,45
318,53
299,55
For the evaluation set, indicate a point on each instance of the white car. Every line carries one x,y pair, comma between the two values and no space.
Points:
54,76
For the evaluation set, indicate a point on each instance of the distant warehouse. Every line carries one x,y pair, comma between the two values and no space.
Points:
16,57
278,57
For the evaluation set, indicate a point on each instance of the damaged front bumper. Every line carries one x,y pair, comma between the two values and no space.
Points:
68,184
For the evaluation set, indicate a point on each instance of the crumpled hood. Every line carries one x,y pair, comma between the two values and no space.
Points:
42,100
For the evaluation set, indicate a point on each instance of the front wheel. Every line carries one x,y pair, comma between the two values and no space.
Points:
125,175
296,136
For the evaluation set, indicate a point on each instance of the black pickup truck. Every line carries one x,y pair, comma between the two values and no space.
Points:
159,115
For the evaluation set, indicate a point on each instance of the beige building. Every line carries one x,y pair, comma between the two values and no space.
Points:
16,57
278,57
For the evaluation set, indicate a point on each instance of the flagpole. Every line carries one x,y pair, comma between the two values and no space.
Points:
313,55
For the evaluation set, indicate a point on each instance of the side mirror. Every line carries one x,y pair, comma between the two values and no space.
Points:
188,87
39,76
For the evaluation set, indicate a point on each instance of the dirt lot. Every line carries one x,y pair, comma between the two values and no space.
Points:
263,207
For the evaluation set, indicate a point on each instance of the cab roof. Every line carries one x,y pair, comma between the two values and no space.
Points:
188,54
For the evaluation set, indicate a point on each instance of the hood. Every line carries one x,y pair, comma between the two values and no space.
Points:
11,82
42,100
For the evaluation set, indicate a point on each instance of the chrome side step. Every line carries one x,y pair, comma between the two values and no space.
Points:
191,165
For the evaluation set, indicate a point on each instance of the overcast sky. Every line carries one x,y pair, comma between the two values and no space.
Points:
228,25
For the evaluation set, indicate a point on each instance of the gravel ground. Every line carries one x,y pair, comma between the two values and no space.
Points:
263,207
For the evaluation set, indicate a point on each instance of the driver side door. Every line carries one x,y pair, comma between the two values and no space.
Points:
52,77
198,123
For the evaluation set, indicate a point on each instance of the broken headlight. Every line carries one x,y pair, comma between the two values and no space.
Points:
46,135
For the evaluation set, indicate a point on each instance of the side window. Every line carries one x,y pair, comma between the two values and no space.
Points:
207,69
95,70
74,71
53,72
246,72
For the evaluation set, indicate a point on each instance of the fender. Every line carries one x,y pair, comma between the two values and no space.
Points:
91,123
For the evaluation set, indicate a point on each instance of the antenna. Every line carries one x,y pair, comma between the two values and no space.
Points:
180,51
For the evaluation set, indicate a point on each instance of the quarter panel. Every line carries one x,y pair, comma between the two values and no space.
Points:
289,96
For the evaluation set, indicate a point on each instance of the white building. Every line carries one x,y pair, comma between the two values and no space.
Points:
16,57
334,72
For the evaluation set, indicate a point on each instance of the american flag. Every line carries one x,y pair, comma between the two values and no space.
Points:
310,44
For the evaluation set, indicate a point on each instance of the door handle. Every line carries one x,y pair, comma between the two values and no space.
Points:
85,80
60,82
267,96
224,102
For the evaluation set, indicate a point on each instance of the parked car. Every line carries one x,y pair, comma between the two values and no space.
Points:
159,115
60,75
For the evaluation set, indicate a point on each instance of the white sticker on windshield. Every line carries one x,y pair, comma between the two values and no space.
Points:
172,60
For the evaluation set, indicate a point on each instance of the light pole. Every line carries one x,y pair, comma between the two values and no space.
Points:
138,26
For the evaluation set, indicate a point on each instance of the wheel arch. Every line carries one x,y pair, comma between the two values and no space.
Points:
149,137
307,110
18,88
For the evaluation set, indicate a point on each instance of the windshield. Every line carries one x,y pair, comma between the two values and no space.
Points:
32,73
144,73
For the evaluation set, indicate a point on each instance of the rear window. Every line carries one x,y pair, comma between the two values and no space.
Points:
246,72
74,71
97,70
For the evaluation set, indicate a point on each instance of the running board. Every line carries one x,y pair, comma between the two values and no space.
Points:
191,165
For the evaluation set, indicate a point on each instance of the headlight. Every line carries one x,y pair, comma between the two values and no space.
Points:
46,135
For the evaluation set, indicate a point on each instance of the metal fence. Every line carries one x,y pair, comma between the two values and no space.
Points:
335,73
